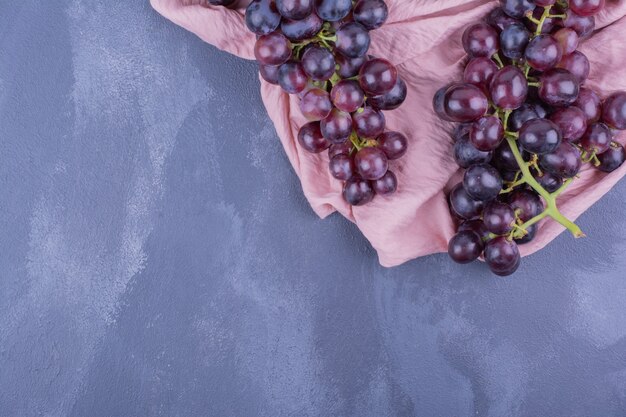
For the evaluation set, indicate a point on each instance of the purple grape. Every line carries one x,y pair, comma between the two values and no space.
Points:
439,104
466,154
517,8
502,256
590,103
318,63
462,129
349,67
482,182
476,226
509,88
337,127
357,191
487,133
480,40
386,185
378,76
464,103
480,72
526,203
311,139
613,158
347,95
543,52
576,63
504,159
571,121
315,104
500,20
269,73
539,136
340,149
614,110
597,138
531,232
559,87
463,205
564,162
369,123
513,40
465,247
341,167
262,17
225,3
294,9
568,39
586,7
394,144
390,100
550,182
371,163
291,77
370,13
353,40
544,3
272,49
333,10
583,25
498,217
299,30
520,116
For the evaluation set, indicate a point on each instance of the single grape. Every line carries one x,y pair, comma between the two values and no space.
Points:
370,13
391,99
466,154
369,123
568,39
378,76
439,104
517,8
318,63
272,49
294,9
371,163
571,121
559,87
357,191
463,205
612,158
349,67
539,136
386,185
481,40
564,162
291,77
487,133
590,103
341,167
477,226
394,144
299,30
509,88
513,40
262,17
333,10
311,139
526,203
550,182
465,103
480,71
482,182
347,95
504,159
498,217
465,247
576,63
583,25
543,52
269,73
531,232
500,20
353,40
586,7
614,110
337,127
502,256
340,149
597,138
541,109
315,104
462,129
520,116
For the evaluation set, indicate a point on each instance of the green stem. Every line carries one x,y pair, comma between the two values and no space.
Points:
546,13
496,57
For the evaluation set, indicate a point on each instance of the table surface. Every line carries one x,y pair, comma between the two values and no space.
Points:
158,258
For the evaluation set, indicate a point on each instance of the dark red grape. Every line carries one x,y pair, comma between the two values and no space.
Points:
353,40
590,103
613,158
480,40
371,163
341,167
586,7
439,104
509,88
337,127
500,20
347,95
550,182
520,116
315,104
465,103
498,217
463,205
597,138
502,256
480,72
298,30
571,121
543,52
559,87
513,40
370,13
391,99
539,136
262,17
576,63
466,154
357,191
568,39
482,182
272,49
369,123
269,73
386,185
378,76
311,139
291,77
531,232
394,144
333,10
544,3
465,247
318,63
487,133
526,203
477,226
340,149
517,8
583,25
614,110
565,161
349,67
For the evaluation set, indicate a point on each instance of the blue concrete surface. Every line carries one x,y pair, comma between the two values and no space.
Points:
157,257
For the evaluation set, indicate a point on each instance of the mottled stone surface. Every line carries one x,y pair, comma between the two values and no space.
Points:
157,257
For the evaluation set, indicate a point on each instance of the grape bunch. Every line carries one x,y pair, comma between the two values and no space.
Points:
527,124
317,49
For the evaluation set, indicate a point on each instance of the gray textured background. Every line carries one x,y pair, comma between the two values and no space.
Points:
157,257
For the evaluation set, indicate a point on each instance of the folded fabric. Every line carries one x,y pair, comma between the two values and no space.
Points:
423,38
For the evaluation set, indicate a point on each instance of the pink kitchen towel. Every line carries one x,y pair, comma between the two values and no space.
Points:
423,38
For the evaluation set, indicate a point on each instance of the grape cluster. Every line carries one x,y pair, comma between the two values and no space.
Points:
317,49
527,125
